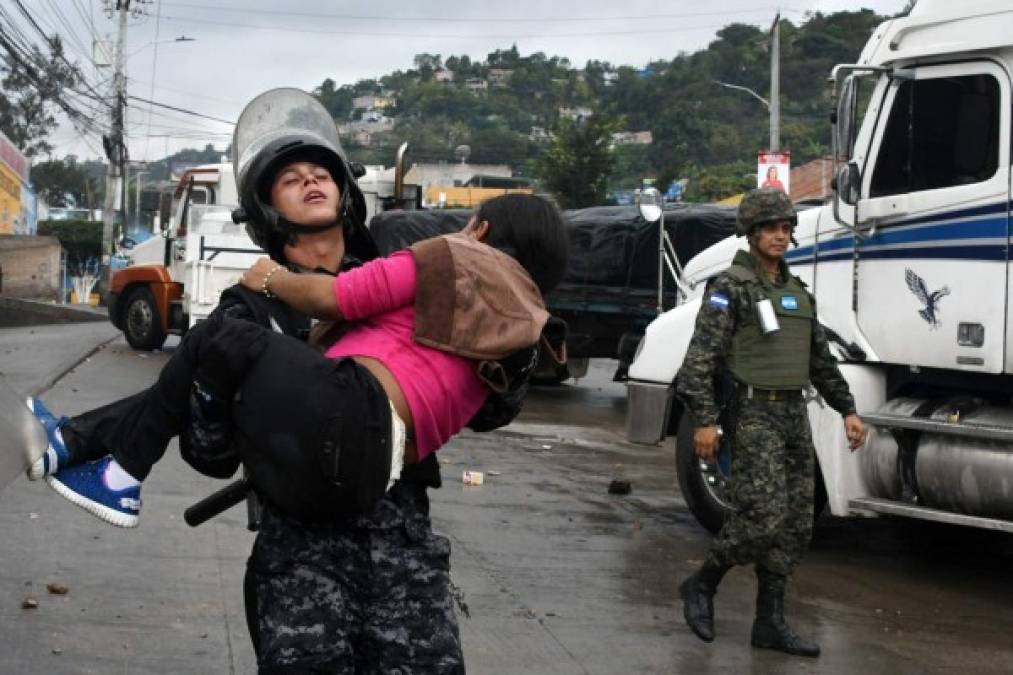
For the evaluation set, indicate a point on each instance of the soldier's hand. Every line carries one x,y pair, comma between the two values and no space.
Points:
855,431
706,441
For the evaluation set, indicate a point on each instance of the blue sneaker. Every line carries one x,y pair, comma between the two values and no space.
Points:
56,456
86,486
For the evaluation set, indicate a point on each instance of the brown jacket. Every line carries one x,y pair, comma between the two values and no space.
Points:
474,300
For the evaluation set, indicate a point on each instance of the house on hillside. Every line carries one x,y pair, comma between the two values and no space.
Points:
476,85
500,77
632,138
373,102
576,113
444,75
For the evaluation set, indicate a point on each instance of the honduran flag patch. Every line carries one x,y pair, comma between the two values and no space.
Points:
718,300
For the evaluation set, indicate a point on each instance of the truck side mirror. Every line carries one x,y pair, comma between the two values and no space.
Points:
844,120
848,183
651,204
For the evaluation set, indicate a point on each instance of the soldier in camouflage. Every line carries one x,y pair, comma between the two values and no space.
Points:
758,323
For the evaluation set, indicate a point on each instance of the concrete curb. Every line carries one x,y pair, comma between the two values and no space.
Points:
16,312
73,362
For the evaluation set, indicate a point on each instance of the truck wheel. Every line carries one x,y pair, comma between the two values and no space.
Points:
142,325
703,484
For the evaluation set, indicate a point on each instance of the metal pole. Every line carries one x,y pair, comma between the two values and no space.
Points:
137,198
115,150
661,261
775,84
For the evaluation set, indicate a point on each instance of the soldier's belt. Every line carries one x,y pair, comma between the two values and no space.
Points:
761,394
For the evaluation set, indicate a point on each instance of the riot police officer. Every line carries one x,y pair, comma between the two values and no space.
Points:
758,322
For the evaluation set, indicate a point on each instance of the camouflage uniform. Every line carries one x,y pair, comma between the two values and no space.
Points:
771,487
369,595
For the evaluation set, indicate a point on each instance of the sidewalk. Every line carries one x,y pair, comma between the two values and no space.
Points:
164,598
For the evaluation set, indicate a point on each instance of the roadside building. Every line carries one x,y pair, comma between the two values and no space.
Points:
450,175
474,191
17,200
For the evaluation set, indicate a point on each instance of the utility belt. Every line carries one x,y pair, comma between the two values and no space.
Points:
748,391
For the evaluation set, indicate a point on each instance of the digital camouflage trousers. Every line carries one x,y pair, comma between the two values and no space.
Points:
369,595
770,490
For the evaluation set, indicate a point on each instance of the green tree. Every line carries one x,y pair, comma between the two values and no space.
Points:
578,163
337,100
65,183
33,87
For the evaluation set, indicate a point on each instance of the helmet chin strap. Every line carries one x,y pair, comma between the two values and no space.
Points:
299,228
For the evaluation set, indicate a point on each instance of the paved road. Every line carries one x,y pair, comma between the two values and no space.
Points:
557,575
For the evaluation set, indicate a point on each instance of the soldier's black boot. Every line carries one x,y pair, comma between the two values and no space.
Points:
769,629
698,599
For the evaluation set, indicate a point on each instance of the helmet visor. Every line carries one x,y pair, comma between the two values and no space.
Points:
275,115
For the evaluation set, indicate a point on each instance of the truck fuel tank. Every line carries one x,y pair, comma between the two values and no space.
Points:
950,455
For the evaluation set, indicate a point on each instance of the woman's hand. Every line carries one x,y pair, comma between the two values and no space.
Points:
311,294
260,274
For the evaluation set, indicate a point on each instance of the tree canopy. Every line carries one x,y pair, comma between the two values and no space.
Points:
32,90
701,130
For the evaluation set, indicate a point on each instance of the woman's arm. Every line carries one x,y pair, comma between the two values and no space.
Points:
309,293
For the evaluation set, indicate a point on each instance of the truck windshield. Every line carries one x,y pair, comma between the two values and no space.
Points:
212,219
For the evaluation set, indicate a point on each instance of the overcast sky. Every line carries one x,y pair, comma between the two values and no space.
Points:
243,47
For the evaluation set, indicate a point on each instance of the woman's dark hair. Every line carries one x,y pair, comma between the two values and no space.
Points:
531,230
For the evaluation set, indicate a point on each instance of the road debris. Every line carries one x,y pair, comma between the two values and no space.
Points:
620,487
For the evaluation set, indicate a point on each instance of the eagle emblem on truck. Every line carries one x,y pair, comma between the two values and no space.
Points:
927,298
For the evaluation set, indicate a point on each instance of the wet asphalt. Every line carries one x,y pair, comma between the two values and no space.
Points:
556,575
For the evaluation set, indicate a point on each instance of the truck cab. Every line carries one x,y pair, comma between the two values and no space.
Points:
910,264
175,280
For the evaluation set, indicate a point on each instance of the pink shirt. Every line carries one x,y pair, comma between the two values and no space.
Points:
443,390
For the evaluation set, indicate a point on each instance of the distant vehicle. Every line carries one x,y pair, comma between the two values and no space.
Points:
910,265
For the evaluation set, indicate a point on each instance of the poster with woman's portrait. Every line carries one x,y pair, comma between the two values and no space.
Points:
773,170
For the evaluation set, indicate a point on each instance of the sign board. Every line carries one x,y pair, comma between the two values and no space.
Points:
13,176
10,200
13,158
773,170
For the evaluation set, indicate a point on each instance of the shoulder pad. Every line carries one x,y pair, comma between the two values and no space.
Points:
740,273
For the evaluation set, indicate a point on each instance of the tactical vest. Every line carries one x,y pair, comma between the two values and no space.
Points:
779,360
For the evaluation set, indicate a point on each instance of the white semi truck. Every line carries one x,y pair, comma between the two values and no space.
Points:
910,264
175,280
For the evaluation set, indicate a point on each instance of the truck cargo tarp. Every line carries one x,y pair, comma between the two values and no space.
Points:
609,245
395,230
614,246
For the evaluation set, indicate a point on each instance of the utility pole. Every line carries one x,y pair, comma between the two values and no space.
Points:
775,84
139,175
114,145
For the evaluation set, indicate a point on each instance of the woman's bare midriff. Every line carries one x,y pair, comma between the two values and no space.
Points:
396,396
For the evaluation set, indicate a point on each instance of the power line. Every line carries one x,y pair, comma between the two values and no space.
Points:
49,41
457,19
483,36
182,110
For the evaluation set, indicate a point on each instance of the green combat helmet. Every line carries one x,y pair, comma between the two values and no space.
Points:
766,205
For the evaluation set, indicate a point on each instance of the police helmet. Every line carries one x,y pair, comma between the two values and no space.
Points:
762,206
278,127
